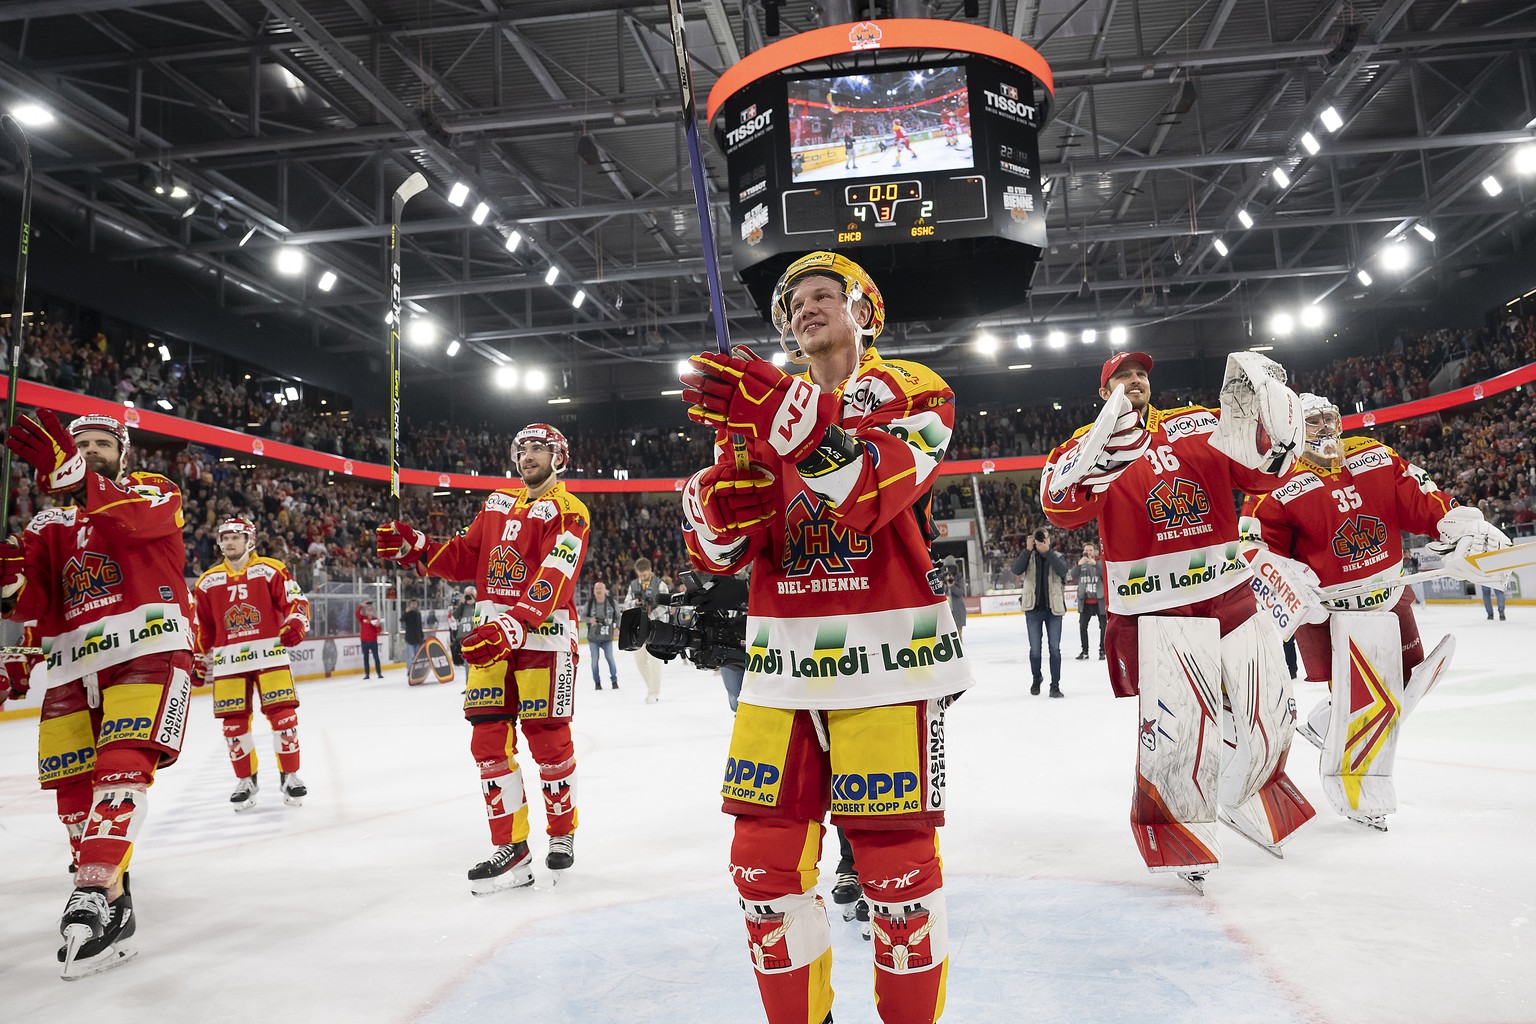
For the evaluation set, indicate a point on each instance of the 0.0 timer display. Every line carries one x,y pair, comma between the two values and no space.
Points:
880,201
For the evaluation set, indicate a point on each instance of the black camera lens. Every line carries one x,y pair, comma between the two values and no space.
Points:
1040,536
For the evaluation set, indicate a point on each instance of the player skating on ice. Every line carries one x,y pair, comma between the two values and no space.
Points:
250,613
951,132
1339,519
102,577
524,551
852,653
1184,632
900,140
849,156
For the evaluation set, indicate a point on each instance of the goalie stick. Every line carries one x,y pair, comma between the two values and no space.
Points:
412,185
701,201
18,139
1498,560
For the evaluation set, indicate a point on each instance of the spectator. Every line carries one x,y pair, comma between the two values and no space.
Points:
1044,602
602,615
1488,597
410,625
954,586
1088,574
368,633
461,619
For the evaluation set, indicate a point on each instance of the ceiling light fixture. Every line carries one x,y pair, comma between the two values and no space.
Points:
481,212
327,281
1310,144
1424,232
1220,247
514,240
1331,119
458,193
453,347
550,275
1244,219
1281,178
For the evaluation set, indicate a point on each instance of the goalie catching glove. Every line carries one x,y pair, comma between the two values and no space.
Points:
494,640
726,503
400,542
752,397
1261,425
1464,532
45,445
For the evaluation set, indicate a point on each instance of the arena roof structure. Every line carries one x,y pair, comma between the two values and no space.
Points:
1209,160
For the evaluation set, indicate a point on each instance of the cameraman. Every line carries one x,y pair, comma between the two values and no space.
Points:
1088,574
645,591
1044,603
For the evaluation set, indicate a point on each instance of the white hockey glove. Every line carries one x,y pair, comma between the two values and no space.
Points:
1463,532
1114,441
1261,424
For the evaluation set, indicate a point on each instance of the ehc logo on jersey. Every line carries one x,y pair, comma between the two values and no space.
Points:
1359,536
88,577
239,618
505,567
814,541
1181,503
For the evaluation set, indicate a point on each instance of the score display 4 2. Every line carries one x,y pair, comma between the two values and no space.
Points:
910,207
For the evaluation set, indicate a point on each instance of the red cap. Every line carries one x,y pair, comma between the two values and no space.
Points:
1113,363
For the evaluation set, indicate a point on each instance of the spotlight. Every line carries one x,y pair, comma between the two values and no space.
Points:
779,358
534,380
1243,219
1281,178
458,193
1491,185
1056,339
550,275
290,261
1424,232
1312,317
1364,276
1020,366
1282,323
453,347
33,115
1525,159
1396,257
480,213
1331,119
1220,247
986,344
292,393
1309,143
1090,336
162,403
165,354
578,298
1118,336
421,331
506,377
514,240
178,191
327,281
1023,340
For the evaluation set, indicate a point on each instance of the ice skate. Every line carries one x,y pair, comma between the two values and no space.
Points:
294,790
1376,822
1196,880
96,933
510,867
846,893
244,796
561,855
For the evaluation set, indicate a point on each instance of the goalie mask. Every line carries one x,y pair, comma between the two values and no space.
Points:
1323,430
239,526
107,425
857,284
549,437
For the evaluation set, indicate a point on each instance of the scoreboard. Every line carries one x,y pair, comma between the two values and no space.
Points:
911,147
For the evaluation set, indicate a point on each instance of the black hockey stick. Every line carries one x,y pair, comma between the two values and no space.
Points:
412,185
701,201
18,314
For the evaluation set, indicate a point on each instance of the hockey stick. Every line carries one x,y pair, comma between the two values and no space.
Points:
412,185
18,315
1495,561
701,201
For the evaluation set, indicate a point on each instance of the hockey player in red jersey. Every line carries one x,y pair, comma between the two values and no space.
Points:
1183,632
900,140
103,579
1338,520
523,551
852,653
250,612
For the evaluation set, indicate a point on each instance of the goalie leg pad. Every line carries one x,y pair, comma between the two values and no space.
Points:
789,939
1258,799
1173,812
1367,710
1423,676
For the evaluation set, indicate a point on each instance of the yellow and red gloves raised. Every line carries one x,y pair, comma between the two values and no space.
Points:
751,397
727,503
45,445
400,542
13,566
293,631
494,640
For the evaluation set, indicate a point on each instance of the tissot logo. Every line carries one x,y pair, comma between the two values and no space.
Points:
750,129
1011,106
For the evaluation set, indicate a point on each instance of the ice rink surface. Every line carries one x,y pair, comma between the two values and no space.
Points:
354,907
932,155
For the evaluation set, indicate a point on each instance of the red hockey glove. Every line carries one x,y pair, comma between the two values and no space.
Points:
400,542
45,445
202,669
493,641
729,503
13,566
15,676
752,397
293,631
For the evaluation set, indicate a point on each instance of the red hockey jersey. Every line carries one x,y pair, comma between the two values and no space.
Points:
1169,523
104,579
1348,523
524,557
239,615
841,611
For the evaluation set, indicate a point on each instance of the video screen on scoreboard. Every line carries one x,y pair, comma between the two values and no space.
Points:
854,126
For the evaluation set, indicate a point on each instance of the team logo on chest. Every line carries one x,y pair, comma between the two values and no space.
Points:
89,576
1359,536
239,618
505,567
814,541
1180,503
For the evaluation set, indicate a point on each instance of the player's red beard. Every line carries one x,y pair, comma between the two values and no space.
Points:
97,463
534,475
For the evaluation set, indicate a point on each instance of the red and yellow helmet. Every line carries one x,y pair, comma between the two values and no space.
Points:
548,436
857,284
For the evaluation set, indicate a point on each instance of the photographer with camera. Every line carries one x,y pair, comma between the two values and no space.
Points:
954,587
602,615
1088,575
1044,602
646,592
852,653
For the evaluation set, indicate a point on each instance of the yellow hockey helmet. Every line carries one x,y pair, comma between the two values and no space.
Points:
857,284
